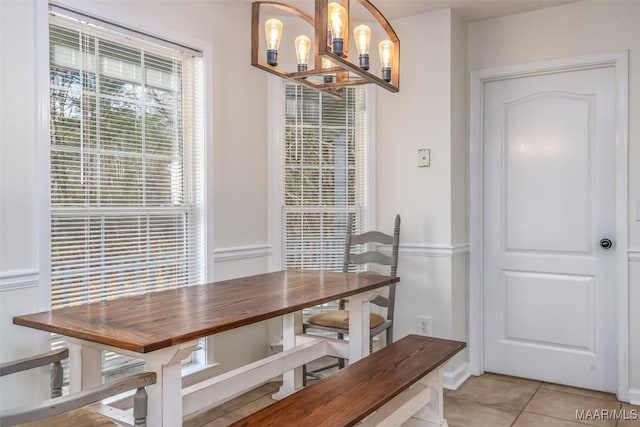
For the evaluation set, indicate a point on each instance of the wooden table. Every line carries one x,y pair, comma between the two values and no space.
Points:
163,327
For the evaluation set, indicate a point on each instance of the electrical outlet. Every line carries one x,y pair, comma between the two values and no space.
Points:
425,326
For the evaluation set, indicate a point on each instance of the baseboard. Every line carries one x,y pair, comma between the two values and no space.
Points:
634,396
451,380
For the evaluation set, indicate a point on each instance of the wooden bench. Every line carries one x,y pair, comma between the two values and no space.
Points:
399,382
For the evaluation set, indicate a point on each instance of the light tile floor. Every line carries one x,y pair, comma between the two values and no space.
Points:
487,401
495,401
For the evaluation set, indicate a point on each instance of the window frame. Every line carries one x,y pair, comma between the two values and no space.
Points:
42,147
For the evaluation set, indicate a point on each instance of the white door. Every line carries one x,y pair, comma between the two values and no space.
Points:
549,200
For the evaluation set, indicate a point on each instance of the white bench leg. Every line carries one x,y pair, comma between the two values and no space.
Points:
291,380
432,414
420,405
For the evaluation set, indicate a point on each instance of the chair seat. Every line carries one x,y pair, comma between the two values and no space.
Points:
77,417
340,319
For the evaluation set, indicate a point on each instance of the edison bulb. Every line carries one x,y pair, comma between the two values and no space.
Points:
337,24
362,36
273,31
385,49
303,48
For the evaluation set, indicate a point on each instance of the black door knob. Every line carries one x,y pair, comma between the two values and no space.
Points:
606,243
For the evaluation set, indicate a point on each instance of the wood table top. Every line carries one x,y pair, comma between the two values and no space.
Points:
156,320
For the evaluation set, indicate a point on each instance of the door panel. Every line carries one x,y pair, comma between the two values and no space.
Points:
564,321
549,188
544,152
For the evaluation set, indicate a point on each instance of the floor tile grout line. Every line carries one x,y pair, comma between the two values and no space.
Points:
518,380
619,409
562,419
516,419
525,405
578,394
532,396
582,396
490,405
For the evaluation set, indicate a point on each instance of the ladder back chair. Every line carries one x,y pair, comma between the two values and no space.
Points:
338,320
64,411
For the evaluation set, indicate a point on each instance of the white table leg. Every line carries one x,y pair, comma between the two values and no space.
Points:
291,380
165,396
85,366
359,325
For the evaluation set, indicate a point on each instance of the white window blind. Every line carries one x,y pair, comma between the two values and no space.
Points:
324,174
127,211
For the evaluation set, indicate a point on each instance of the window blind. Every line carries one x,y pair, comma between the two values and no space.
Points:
324,174
127,205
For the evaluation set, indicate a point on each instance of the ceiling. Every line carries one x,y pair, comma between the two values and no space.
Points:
469,10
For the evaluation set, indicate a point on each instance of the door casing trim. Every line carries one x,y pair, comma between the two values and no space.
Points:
478,78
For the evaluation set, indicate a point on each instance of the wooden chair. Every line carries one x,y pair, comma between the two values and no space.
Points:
338,320
70,410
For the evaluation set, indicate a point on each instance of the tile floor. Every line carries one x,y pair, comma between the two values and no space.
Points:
495,400
487,401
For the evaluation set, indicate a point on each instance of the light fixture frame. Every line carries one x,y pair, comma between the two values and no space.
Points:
321,49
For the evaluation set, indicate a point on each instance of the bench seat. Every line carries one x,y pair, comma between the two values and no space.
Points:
350,395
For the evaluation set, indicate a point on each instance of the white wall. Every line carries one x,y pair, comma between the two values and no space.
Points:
572,30
18,238
419,116
18,195
239,144
428,112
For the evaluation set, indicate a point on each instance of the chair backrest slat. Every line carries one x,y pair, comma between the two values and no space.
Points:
372,236
380,301
370,256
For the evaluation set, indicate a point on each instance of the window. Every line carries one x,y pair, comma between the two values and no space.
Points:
127,211
324,174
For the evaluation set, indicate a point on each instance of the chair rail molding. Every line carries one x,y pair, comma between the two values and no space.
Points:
432,249
634,255
19,279
234,253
